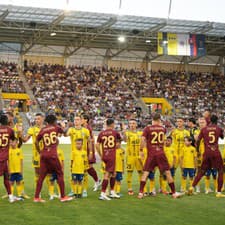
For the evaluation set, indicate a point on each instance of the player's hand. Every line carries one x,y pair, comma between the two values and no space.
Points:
142,156
62,124
90,156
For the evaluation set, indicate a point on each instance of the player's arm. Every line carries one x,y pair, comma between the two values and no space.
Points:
37,143
181,159
200,136
26,138
124,132
142,146
98,148
20,142
90,147
21,164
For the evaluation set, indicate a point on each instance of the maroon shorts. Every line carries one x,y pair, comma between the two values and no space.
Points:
212,159
50,164
159,160
110,163
4,169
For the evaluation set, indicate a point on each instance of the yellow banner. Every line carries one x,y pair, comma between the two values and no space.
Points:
172,44
17,96
160,42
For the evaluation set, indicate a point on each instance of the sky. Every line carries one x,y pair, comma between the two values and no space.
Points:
203,10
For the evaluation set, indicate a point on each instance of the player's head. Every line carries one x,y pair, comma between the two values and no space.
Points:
156,119
85,119
10,117
77,121
168,141
51,119
202,122
180,122
132,124
4,120
206,114
79,143
14,143
110,122
214,119
38,119
187,141
191,122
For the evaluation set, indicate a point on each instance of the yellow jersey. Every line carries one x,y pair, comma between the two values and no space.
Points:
178,139
189,156
119,160
82,133
133,143
33,132
170,154
79,158
15,160
223,156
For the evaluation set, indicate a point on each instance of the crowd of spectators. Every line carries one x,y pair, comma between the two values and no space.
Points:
103,92
9,78
78,89
189,93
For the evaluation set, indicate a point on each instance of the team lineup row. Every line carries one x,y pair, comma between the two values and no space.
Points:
192,150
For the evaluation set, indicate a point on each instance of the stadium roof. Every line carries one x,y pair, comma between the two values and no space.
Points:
76,29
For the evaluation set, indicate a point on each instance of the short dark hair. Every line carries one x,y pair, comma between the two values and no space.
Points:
188,138
192,120
86,117
214,119
50,119
109,121
9,113
39,114
156,117
4,119
79,140
170,138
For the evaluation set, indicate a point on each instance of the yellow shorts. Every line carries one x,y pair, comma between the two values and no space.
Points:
134,163
36,161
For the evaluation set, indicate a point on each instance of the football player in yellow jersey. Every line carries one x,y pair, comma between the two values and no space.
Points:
170,155
16,167
33,132
133,161
78,167
18,134
79,132
119,167
53,177
188,162
178,135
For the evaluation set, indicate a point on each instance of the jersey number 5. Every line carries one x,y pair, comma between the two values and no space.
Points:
212,137
4,140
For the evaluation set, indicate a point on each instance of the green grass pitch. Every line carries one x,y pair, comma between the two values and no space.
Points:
189,210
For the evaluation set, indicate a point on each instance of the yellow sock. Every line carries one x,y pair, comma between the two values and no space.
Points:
71,185
58,190
117,187
183,184
51,189
19,188
129,180
12,188
207,183
215,184
151,186
79,189
160,181
163,187
85,181
190,182
22,186
75,190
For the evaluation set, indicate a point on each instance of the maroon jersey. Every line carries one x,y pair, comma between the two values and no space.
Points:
155,136
48,137
92,138
6,134
210,135
108,139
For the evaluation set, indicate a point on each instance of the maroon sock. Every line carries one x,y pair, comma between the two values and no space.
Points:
200,174
61,184
112,182
7,185
104,185
220,181
92,172
172,187
142,185
39,186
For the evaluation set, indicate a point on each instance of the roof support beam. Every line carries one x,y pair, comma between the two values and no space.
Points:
4,15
